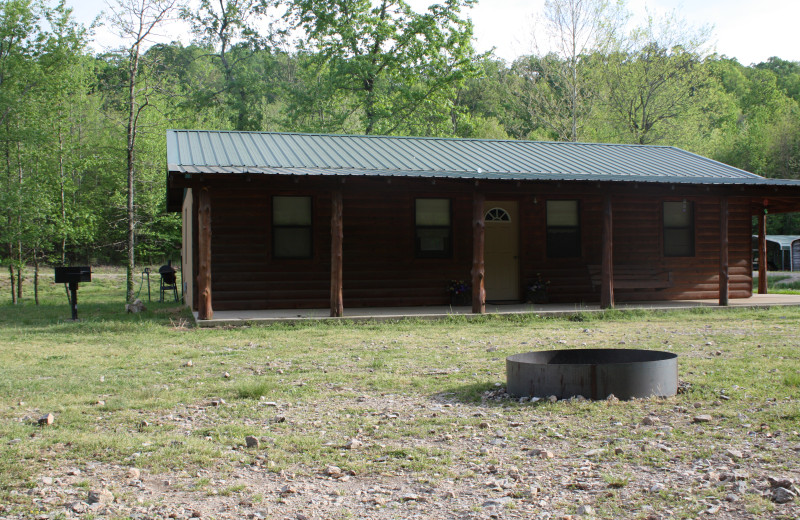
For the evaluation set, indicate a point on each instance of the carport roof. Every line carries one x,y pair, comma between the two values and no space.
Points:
233,152
785,241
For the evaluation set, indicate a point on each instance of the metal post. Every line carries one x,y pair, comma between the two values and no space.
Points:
73,289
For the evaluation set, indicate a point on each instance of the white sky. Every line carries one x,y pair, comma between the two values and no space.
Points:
749,30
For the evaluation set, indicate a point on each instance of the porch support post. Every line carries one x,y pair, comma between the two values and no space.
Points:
478,270
337,234
723,251
607,265
762,251
204,308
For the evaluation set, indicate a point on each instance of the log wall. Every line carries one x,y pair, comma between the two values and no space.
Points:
380,268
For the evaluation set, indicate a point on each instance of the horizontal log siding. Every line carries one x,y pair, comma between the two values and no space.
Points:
568,277
380,268
244,274
638,240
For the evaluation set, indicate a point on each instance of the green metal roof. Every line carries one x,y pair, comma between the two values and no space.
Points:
220,152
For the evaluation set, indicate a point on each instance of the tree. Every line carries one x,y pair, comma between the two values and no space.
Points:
64,64
558,92
135,21
229,29
787,74
397,70
18,76
651,78
487,110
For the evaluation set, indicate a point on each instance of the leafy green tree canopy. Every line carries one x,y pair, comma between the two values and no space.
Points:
399,67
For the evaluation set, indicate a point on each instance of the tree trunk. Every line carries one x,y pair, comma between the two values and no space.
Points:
11,278
63,204
20,266
369,105
133,70
35,277
20,258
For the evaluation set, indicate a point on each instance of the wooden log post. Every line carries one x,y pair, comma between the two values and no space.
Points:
723,252
607,267
205,310
762,251
478,266
337,238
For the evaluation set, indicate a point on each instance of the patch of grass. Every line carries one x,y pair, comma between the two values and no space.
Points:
616,481
256,389
230,490
778,284
416,393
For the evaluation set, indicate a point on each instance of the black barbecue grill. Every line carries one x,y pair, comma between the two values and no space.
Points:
169,281
71,277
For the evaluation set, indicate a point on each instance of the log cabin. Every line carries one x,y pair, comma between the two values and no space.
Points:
290,220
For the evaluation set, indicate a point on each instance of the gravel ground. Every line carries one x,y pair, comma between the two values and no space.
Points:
531,461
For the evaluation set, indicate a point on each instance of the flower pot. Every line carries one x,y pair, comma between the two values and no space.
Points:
536,296
461,299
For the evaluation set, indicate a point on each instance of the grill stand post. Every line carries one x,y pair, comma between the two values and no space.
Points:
73,299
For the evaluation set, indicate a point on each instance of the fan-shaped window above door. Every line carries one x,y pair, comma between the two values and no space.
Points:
497,215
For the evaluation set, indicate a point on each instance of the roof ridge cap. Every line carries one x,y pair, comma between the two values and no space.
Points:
430,138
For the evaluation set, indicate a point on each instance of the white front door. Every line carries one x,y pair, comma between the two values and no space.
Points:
501,250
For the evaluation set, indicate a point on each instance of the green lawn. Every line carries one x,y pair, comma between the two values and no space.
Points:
121,387
780,283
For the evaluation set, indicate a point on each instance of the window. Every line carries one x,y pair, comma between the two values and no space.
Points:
563,229
434,232
291,227
679,228
497,215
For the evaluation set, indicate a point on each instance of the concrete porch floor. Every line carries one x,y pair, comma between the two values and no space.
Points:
222,318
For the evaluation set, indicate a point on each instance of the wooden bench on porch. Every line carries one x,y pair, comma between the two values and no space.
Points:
634,277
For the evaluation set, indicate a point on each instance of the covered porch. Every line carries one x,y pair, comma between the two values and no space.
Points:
267,317
345,225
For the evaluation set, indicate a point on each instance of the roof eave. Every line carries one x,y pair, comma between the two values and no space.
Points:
184,170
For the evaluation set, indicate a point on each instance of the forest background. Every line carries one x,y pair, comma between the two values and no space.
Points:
82,135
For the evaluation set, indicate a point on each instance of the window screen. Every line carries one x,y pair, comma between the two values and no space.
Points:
679,228
291,227
563,229
433,229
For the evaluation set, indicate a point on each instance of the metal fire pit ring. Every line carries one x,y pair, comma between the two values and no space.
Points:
593,373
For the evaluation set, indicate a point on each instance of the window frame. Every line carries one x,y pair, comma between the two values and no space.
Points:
691,228
309,227
447,252
551,250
